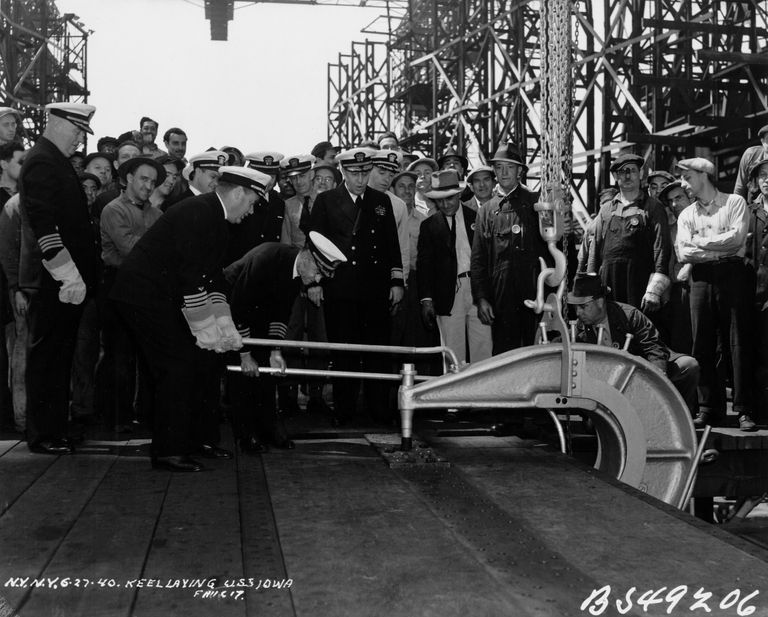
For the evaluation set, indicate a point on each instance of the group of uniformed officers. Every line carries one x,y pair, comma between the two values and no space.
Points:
142,272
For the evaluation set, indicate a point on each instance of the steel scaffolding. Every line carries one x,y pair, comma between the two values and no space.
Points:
43,58
664,78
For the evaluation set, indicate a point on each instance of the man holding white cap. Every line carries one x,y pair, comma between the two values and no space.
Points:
9,122
58,268
265,285
171,291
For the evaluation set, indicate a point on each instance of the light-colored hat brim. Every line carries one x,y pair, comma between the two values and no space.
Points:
438,194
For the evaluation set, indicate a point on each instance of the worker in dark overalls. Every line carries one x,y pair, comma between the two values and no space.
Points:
632,246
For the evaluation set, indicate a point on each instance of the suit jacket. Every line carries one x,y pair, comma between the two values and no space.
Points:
368,238
263,289
179,258
54,216
265,224
436,260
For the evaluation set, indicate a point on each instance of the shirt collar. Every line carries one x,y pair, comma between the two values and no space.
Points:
221,201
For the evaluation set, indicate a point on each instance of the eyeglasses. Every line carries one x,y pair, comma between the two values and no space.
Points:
323,180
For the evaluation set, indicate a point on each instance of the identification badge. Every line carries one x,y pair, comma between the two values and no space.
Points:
634,221
516,229
380,211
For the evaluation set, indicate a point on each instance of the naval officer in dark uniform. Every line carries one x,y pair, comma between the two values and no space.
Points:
202,173
58,268
266,222
171,291
365,290
264,286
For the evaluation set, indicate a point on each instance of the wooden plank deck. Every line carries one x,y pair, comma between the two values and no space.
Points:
506,529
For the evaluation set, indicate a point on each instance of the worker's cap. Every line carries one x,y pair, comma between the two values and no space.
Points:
699,164
755,169
89,176
445,183
664,193
452,153
211,159
424,161
763,130
326,253
78,114
481,169
627,159
98,155
389,159
131,165
409,157
586,287
245,177
167,159
356,159
265,162
661,174
509,153
409,174
320,149
296,164
4,111
107,139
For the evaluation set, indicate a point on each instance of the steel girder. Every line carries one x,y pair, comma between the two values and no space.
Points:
43,58
661,77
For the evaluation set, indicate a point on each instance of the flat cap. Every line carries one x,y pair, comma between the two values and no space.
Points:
698,164
627,159
321,148
664,193
4,111
424,161
661,174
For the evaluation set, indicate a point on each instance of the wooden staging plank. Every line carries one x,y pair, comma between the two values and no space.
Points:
32,529
105,551
197,538
363,543
20,469
262,554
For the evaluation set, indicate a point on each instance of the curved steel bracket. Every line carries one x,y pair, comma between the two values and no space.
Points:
644,429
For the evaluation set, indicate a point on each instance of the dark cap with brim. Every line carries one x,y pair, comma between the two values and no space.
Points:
627,159
89,176
131,165
664,193
586,287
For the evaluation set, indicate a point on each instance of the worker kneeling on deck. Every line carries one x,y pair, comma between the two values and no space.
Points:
612,321
170,290
264,285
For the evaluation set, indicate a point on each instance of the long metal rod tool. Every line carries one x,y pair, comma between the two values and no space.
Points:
395,349
308,372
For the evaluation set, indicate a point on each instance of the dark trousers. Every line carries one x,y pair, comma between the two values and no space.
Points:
180,374
362,320
85,359
253,398
514,324
53,329
683,372
117,370
408,330
721,303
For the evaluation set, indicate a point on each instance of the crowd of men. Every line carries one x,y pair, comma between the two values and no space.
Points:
133,273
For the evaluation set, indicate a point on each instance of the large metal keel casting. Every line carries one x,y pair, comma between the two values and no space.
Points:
646,437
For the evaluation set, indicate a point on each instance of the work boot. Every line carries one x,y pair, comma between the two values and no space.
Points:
746,423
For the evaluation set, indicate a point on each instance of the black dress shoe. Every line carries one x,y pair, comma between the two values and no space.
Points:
705,418
208,450
317,405
52,446
252,445
280,438
176,463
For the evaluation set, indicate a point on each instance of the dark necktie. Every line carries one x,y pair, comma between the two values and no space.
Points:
359,201
452,228
304,218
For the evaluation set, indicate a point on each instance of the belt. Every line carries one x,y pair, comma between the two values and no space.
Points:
463,275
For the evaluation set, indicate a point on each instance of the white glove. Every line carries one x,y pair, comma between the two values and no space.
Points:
205,331
64,270
229,337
